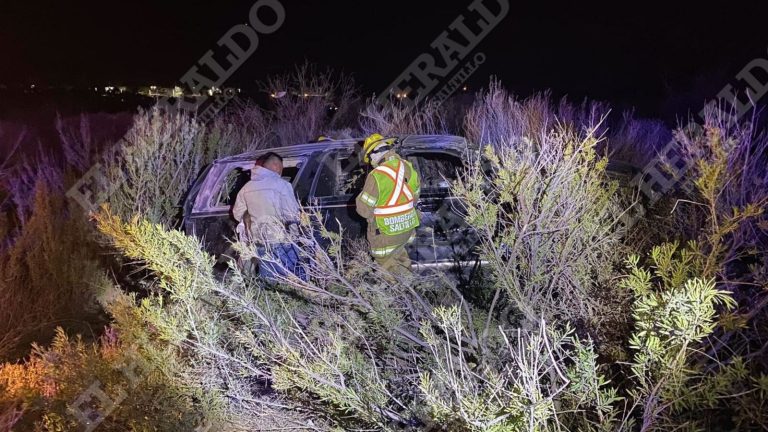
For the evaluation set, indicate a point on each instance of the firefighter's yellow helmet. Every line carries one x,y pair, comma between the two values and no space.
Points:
373,142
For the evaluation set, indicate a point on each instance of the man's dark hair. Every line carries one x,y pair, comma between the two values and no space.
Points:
268,157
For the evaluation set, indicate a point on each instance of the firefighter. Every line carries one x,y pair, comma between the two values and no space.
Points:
388,203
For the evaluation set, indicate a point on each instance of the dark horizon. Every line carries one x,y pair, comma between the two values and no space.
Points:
662,60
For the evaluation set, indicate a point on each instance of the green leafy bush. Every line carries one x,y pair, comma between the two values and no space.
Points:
50,275
73,386
359,348
156,163
546,217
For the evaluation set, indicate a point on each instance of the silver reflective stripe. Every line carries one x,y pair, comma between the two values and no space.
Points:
398,184
371,201
387,170
394,176
383,251
393,210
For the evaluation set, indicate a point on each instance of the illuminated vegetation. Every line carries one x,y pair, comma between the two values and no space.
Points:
574,324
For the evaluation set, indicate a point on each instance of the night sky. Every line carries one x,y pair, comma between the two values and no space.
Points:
642,54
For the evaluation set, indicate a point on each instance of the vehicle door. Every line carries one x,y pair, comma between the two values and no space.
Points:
443,235
340,178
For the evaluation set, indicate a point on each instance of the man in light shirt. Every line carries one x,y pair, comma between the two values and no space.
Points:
267,206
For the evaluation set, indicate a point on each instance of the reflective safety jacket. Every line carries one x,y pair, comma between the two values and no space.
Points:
389,197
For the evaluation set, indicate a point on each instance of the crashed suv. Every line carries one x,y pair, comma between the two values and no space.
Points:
328,176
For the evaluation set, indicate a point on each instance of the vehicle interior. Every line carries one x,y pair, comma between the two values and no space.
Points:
238,176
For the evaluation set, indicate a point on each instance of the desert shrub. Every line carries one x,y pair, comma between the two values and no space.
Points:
49,276
49,261
726,169
77,143
636,141
359,346
309,102
723,198
83,137
11,142
22,179
675,310
73,385
546,219
243,127
367,349
9,416
500,118
159,158
429,118
723,195
549,378
5,226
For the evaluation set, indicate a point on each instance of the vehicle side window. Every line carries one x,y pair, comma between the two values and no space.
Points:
327,177
437,170
352,175
233,182
340,174
290,172
226,191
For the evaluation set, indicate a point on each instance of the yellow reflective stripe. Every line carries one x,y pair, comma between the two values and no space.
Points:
371,201
393,210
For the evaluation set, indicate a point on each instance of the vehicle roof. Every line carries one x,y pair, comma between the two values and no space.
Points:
413,142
